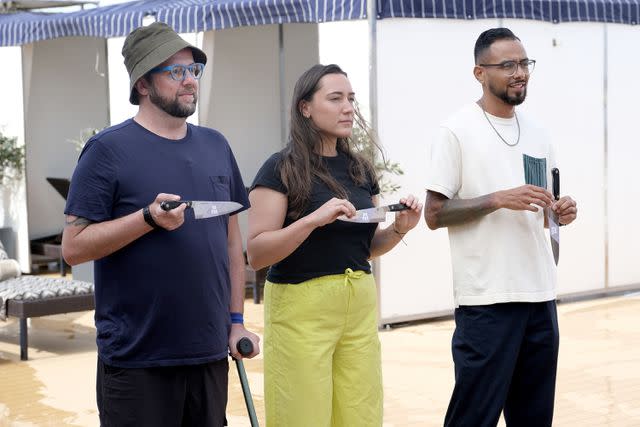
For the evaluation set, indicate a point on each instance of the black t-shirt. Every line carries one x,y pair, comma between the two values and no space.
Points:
330,249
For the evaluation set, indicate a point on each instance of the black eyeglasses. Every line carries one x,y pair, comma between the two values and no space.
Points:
511,67
179,71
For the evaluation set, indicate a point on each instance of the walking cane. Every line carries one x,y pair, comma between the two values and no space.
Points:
245,347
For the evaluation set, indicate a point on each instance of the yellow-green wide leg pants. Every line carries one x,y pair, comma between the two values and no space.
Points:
322,353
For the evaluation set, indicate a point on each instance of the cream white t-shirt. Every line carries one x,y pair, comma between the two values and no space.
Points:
504,256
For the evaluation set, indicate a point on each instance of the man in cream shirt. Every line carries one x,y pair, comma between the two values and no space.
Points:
489,176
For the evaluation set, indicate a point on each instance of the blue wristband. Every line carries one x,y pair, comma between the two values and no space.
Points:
236,318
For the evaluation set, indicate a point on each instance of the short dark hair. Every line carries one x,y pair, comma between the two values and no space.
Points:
487,38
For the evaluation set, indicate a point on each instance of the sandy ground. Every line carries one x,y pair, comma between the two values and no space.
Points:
598,379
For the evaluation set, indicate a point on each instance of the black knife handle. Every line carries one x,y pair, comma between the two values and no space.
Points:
398,207
167,205
555,176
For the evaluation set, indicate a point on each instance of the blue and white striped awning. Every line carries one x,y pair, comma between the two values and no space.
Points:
109,21
184,16
556,11
203,15
196,15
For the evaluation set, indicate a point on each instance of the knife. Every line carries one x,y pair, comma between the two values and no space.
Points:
554,223
202,209
377,214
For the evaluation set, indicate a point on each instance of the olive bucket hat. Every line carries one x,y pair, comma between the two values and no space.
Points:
147,47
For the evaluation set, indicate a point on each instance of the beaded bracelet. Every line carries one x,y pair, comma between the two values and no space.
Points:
399,233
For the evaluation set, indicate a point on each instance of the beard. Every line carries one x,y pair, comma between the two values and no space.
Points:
509,99
173,107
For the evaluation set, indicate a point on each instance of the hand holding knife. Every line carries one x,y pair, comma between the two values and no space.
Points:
553,220
203,209
376,214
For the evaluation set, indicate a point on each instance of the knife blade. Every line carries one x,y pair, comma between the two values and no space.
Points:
203,209
377,214
554,223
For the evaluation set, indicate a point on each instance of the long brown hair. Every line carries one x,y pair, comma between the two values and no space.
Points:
301,159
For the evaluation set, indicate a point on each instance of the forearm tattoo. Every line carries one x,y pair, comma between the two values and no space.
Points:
78,222
456,212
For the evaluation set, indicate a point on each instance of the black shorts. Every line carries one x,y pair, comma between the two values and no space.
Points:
176,396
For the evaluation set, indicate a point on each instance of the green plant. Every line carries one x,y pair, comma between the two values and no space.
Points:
85,135
384,167
11,160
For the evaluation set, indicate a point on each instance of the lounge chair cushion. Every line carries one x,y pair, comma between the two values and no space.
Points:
9,268
31,288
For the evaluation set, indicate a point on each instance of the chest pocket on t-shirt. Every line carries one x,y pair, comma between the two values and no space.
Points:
535,171
221,187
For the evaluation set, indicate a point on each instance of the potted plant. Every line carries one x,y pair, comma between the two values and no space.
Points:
85,135
11,160
384,167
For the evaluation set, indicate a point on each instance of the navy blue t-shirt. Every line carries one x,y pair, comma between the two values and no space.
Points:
162,300
334,247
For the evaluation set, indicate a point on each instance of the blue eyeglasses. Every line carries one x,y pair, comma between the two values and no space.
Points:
179,71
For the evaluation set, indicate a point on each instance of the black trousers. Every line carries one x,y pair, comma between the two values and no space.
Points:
505,358
176,396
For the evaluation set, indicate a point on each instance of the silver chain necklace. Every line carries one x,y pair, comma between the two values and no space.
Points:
496,130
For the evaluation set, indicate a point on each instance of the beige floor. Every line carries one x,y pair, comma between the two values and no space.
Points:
598,380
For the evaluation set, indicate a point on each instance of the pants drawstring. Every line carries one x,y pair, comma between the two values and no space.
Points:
350,275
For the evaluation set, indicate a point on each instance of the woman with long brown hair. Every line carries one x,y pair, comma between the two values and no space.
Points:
322,352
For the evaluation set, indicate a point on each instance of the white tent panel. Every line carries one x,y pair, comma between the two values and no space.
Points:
120,109
240,92
11,114
623,150
65,91
300,52
421,80
13,202
337,41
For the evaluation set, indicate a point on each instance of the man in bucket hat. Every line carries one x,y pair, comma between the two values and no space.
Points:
169,288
